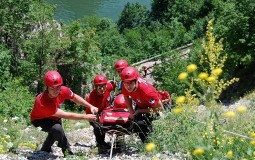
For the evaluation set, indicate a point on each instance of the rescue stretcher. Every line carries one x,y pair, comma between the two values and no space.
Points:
115,121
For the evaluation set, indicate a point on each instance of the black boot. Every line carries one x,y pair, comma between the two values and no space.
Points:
49,150
46,147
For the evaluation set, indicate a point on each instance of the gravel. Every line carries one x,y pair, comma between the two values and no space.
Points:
84,147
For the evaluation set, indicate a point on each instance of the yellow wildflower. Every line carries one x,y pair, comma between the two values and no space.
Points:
177,110
252,142
198,151
211,79
252,134
229,114
191,68
180,99
203,75
30,145
229,154
150,146
241,109
217,71
183,76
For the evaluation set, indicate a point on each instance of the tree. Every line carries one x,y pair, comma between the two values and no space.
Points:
133,15
234,22
13,23
160,9
42,39
81,58
111,42
183,10
5,59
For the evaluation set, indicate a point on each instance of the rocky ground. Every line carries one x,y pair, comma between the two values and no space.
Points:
84,147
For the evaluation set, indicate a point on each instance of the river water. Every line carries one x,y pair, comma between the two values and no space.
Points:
70,10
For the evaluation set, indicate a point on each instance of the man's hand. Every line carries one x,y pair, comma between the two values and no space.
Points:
113,83
91,117
94,110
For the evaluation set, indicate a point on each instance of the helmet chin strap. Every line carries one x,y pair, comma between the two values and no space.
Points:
134,89
135,86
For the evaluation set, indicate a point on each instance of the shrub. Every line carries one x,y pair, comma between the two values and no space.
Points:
208,131
15,100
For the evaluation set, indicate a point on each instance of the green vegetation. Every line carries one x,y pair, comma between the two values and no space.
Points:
208,131
32,42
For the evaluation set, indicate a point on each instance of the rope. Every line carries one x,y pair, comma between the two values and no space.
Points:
229,132
152,58
238,135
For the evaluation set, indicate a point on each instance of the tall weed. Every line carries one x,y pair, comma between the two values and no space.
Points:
207,131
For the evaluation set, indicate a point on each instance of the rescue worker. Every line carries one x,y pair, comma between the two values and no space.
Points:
100,97
145,69
47,114
165,96
165,99
146,98
119,66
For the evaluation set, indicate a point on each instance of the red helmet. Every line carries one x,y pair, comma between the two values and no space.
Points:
119,102
120,64
128,74
110,86
52,79
100,79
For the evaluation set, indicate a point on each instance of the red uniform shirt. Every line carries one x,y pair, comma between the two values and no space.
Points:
163,95
145,95
99,101
45,107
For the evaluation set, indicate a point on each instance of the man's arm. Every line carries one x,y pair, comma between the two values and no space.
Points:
157,108
129,104
79,100
74,116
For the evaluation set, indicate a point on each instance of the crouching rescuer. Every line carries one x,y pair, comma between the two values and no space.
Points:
100,97
47,114
146,98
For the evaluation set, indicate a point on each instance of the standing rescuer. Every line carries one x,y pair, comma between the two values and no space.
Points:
47,114
100,97
119,66
146,98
